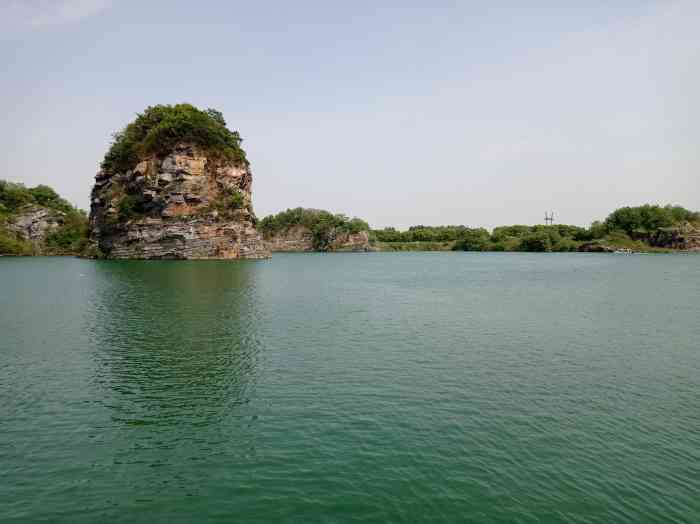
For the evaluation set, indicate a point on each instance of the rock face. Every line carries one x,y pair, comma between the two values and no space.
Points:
595,247
352,242
300,238
34,222
684,237
181,206
296,238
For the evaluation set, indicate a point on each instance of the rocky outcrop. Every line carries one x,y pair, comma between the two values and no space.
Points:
300,238
295,238
352,242
34,223
595,247
685,237
184,205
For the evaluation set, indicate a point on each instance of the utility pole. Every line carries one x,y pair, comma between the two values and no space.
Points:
549,218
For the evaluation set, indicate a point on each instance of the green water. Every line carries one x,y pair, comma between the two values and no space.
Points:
388,387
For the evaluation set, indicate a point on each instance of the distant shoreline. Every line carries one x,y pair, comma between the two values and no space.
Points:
377,252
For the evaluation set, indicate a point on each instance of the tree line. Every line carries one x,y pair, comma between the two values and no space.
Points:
626,226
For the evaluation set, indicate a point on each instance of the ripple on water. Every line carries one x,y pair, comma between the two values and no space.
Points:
390,387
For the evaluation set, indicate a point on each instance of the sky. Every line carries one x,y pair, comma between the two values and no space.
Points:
401,113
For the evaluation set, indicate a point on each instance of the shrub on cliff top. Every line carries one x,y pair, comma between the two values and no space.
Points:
159,128
322,224
311,219
648,218
70,237
13,196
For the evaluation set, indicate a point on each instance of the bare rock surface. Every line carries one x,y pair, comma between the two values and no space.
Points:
595,247
34,222
300,238
685,237
181,206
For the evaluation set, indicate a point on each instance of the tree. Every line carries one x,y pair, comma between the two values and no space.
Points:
642,220
216,115
537,241
473,240
597,230
159,128
14,196
323,225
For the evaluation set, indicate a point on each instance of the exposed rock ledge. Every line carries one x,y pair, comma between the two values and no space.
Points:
34,223
595,247
182,206
684,237
300,238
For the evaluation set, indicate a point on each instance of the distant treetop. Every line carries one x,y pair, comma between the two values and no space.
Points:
14,196
647,218
159,128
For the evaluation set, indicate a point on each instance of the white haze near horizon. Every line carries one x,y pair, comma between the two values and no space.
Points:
456,113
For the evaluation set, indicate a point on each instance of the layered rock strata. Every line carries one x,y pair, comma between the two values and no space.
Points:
300,238
181,206
685,237
34,223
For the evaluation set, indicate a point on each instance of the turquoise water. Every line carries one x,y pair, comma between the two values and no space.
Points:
387,387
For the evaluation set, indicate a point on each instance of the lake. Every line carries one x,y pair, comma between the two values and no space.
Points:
380,387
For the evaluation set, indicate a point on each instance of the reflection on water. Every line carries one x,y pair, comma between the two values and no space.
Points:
176,343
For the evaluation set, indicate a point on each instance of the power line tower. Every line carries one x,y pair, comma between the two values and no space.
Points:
549,218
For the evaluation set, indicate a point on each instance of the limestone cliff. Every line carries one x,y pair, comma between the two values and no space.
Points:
33,223
300,238
684,236
184,204
307,229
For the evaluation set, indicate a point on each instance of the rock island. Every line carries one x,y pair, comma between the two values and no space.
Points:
175,184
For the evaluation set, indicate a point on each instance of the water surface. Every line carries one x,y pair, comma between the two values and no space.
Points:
388,387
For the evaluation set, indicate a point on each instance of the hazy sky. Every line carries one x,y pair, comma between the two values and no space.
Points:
475,113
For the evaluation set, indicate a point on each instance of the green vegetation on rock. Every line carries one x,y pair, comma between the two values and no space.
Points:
322,224
642,220
233,199
70,237
15,196
11,244
641,228
159,128
130,206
